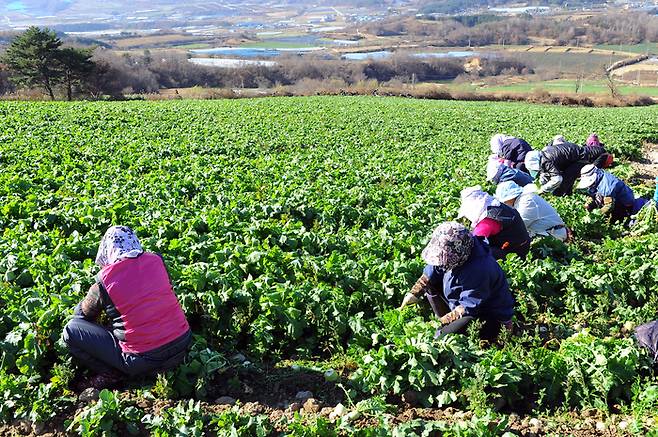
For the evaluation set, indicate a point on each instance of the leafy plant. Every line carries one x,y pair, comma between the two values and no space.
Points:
410,359
184,420
290,229
232,422
109,416
193,376
599,370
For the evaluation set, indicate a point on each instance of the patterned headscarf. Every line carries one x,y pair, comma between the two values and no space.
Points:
450,246
119,242
593,140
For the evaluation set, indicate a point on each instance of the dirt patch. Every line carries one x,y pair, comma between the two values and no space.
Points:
274,387
578,424
646,168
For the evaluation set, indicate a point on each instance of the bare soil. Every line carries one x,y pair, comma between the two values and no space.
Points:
272,391
647,166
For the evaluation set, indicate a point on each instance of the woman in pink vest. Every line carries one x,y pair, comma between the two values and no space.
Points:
149,330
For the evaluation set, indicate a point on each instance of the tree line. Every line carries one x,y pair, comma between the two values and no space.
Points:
610,28
37,58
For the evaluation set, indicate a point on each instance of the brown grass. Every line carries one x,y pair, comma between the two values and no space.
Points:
154,40
438,92
428,91
194,93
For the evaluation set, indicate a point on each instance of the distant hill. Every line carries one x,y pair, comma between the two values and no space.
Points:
114,7
110,7
94,15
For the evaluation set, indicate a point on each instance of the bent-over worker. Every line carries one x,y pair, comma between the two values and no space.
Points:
500,224
594,152
611,195
463,282
557,165
539,216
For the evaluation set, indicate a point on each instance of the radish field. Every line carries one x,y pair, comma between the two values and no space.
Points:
292,228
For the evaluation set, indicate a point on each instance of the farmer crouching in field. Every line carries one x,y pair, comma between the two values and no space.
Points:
593,151
463,282
501,225
149,330
510,150
540,218
557,166
497,172
612,196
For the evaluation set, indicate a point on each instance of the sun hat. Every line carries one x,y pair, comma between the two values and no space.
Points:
532,161
474,203
588,176
559,139
118,243
496,142
493,165
508,190
450,246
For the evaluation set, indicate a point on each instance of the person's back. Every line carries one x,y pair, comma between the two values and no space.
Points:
513,236
611,186
483,276
149,331
515,150
145,311
591,153
537,214
557,157
511,174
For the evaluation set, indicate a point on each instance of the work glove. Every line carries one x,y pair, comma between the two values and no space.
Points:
412,297
453,315
409,299
608,205
420,286
590,205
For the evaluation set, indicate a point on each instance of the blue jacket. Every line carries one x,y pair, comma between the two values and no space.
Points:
479,285
608,185
506,173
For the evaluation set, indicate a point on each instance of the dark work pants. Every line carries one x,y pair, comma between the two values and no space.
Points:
100,351
489,330
620,213
601,160
569,176
521,250
521,166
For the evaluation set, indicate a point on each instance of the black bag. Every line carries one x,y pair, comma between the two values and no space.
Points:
647,336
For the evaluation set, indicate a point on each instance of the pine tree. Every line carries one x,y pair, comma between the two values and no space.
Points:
33,60
76,66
